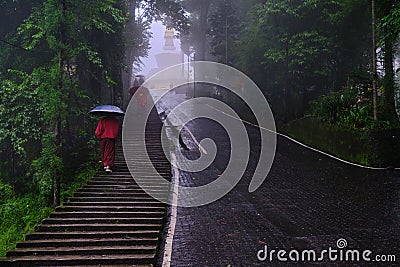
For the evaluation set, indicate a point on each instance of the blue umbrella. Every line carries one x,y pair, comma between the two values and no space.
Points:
105,110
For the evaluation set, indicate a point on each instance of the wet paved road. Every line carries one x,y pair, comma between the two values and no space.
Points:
307,202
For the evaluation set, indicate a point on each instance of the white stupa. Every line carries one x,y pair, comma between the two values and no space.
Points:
169,57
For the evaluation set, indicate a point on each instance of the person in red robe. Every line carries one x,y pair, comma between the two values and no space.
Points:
142,98
106,132
132,91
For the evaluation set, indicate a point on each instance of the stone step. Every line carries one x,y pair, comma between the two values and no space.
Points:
121,187
127,173
95,227
138,193
133,195
130,207
115,178
93,234
123,177
149,180
108,182
146,157
136,199
148,177
83,242
80,260
89,250
138,220
108,204
97,214
115,190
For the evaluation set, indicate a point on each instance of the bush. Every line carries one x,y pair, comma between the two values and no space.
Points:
327,108
88,171
18,216
44,168
6,193
348,109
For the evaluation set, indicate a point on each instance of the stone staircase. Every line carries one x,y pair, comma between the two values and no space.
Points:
110,221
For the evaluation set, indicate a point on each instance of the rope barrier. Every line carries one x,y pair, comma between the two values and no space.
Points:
307,146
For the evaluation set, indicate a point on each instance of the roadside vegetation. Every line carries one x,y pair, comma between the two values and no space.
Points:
314,58
58,60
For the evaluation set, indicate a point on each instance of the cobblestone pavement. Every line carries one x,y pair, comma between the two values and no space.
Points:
307,202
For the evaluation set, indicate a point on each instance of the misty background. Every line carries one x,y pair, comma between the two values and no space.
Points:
156,46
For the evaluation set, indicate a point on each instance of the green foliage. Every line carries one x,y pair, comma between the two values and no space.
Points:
45,167
290,46
169,11
21,118
348,109
40,97
349,144
77,21
224,31
390,21
388,13
6,193
56,59
328,108
250,51
20,112
18,216
88,170
298,50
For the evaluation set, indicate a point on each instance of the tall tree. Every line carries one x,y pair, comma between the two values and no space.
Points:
297,43
224,30
197,37
374,72
62,26
389,12
203,28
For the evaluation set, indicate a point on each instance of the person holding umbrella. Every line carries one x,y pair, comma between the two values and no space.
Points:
106,132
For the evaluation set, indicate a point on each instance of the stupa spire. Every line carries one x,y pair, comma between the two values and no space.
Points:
169,37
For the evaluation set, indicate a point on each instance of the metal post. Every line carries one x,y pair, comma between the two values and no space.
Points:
194,75
374,72
226,40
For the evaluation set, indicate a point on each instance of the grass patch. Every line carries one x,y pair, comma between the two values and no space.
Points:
89,170
350,145
20,214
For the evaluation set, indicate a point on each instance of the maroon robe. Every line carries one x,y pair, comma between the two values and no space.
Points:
107,131
107,147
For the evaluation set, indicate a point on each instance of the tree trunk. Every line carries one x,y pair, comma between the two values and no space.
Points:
13,172
389,103
57,126
286,83
129,51
57,174
203,28
374,73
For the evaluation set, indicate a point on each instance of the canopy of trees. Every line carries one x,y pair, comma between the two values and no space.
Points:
59,59
299,50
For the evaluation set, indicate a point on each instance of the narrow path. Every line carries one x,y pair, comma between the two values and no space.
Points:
111,221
